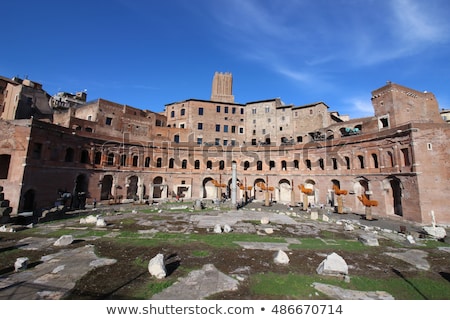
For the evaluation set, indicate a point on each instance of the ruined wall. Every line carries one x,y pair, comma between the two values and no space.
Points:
13,147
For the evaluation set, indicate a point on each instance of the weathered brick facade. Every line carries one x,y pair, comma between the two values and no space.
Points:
114,152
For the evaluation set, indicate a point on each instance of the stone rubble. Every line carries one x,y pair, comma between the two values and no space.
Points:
281,257
333,265
64,240
156,266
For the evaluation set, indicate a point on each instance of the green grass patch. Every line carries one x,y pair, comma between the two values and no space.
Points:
224,240
322,244
295,286
149,289
200,253
77,233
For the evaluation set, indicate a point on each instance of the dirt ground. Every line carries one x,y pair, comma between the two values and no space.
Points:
124,278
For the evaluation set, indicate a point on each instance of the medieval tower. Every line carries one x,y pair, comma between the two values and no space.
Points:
222,87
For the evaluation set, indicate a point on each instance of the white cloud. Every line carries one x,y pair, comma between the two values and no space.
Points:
359,107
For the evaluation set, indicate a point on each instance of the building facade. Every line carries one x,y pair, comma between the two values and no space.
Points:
114,153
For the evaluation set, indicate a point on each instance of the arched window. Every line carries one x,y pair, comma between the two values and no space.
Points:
283,165
123,159
308,164
110,159
361,161
159,162
135,161
209,164
335,163
246,165
171,163
184,164
375,160
390,159
98,157
84,158
271,164
147,162
321,164
259,165
197,164
69,155
296,164
221,165
347,162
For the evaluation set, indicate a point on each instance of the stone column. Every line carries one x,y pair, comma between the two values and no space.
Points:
233,184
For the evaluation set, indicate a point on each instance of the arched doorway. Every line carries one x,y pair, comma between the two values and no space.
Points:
393,188
80,192
360,187
258,193
284,191
310,184
159,189
107,182
132,188
331,196
210,190
28,200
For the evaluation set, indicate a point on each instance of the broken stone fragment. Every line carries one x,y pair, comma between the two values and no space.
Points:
217,228
435,232
21,263
333,265
281,257
156,266
64,240
369,240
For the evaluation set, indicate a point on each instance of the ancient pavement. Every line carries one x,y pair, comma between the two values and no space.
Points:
57,273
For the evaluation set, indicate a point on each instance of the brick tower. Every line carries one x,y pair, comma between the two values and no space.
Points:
222,87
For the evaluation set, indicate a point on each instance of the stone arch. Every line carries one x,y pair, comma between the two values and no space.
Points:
393,188
311,184
80,192
284,191
210,191
360,187
159,188
132,187
258,193
331,196
106,190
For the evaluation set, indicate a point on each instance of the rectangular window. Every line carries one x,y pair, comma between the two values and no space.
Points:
108,121
241,130
233,110
267,109
218,108
225,142
217,141
200,126
254,111
242,110
199,140
225,128
263,131
200,111
172,114
233,129
217,127
225,109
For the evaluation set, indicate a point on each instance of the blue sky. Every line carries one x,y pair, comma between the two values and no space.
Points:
150,53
